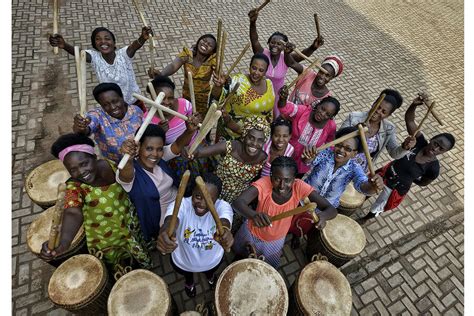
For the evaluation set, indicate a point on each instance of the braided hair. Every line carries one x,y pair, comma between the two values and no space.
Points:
284,162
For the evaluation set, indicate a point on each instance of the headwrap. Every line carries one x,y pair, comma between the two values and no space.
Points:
335,62
82,148
255,122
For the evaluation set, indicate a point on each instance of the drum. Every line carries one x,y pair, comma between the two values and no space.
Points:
41,184
350,201
341,240
251,287
140,292
80,285
38,233
320,289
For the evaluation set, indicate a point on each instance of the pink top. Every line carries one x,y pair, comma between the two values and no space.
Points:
176,125
277,76
266,148
302,94
304,134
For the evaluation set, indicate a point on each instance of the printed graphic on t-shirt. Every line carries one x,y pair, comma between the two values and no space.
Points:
199,239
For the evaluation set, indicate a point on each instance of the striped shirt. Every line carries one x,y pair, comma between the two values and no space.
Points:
266,148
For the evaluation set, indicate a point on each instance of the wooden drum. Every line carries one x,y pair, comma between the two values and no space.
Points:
251,287
320,289
80,285
341,240
350,201
41,184
38,233
140,292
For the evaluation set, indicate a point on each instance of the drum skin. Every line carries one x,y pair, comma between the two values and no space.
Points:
350,200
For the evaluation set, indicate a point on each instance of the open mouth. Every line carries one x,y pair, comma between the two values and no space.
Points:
200,210
339,155
153,160
87,176
252,150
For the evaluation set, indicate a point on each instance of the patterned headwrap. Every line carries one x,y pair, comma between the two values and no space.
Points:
255,122
335,62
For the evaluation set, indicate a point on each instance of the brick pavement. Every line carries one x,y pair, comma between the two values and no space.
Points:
411,264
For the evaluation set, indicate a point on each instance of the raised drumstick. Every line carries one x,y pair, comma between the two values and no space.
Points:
153,95
374,108
54,239
204,130
314,63
191,90
295,211
212,108
340,139
366,150
316,21
221,52
317,65
435,115
236,62
55,22
263,5
179,197
424,118
142,18
77,57
218,44
83,98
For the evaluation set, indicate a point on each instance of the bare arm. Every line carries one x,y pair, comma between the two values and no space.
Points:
241,205
327,210
164,243
410,116
184,139
128,172
256,47
289,60
138,43
58,41
318,42
208,151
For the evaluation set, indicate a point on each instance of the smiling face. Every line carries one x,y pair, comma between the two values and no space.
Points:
206,46
81,166
324,112
198,201
282,181
257,70
437,146
322,79
113,104
280,137
150,152
344,151
253,142
275,46
104,42
383,111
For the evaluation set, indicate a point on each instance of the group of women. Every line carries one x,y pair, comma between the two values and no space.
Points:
262,162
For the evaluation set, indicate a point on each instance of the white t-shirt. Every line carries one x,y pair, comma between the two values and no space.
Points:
120,72
197,250
162,181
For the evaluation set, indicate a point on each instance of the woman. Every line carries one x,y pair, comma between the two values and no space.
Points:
93,199
419,166
312,126
280,59
149,181
311,89
200,61
194,246
382,132
276,194
254,97
278,145
110,64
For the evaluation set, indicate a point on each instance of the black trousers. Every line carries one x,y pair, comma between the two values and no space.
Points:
189,276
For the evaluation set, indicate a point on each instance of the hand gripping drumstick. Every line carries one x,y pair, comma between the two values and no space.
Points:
83,98
312,212
295,211
55,23
142,128
317,65
54,239
263,5
153,95
341,139
142,18
236,62
179,197
313,64
366,150
204,130
212,108
374,108
424,118
191,90
229,96
211,206
77,57
316,21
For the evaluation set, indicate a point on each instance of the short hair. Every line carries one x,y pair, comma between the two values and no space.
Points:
393,97
261,57
104,87
449,137
284,162
280,121
161,81
67,140
153,130
210,178
331,100
100,29
347,130
205,36
285,38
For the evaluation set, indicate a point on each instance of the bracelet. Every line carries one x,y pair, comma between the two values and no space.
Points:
138,40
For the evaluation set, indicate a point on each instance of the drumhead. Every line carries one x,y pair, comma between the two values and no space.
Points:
323,290
139,292
38,232
344,236
41,184
351,198
77,280
251,287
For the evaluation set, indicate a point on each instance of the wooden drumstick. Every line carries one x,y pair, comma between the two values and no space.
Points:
366,150
435,115
142,18
374,108
153,95
54,239
236,62
212,108
303,73
315,216
424,118
83,98
191,90
263,5
295,211
179,197
222,49
210,204
316,21
218,44
55,23
77,57
204,130
143,127
340,139
317,65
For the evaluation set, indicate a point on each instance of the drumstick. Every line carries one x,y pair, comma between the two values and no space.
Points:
435,115
212,108
263,5
218,44
230,95
424,118
316,21
179,197
204,130
153,95
55,23
83,99
374,108
142,128
303,73
53,241
236,62
295,211
222,49
340,139
77,57
211,206
366,150
296,50
191,90
137,7
312,212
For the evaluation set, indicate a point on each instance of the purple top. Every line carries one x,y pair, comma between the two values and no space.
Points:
277,76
